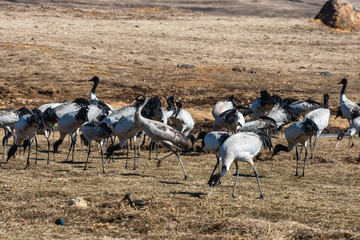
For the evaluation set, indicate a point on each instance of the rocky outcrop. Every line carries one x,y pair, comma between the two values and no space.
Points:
340,14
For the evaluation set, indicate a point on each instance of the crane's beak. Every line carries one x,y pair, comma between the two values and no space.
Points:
337,143
211,190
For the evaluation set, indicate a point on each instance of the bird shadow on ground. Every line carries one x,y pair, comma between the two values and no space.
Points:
192,154
191,194
171,183
62,170
73,162
248,175
134,174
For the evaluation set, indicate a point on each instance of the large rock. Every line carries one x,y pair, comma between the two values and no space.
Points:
340,14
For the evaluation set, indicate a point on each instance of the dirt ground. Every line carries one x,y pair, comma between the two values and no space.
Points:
47,54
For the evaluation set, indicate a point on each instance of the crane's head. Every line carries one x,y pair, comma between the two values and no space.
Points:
94,79
214,179
140,99
340,136
230,98
343,81
279,148
201,135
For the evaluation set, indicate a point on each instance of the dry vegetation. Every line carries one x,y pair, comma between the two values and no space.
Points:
48,53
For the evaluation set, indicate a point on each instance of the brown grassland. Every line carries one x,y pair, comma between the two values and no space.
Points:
47,54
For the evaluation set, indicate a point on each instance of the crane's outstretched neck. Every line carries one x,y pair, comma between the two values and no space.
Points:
140,102
326,101
214,179
93,90
279,148
344,83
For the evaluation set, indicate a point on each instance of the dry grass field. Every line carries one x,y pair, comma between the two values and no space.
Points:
48,53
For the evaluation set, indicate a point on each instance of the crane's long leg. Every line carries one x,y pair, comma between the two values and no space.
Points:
127,152
161,159
297,160
141,144
71,145
36,148
28,158
177,155
216,165
48,155
87,158
102,155
157,150
313,149
236,179
306,153
258,181
8,134
135,149
150,149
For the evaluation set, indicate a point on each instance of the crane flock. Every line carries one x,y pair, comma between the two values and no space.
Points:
239,132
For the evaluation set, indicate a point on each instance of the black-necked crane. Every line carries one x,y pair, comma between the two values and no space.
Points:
98,132
354,129
25,131
298,133
223,105
282,115
50,119
170,109
153,110
304,106
211,143
125,128
160,132
112,119
8,119
69,124
182,120
261,105
349,109
242,146
320,117
232,119
92,97
73,106
258,123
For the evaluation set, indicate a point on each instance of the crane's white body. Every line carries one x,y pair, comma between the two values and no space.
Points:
304,106
221,106
238,147
95,131
183,121
116,115
234,126
160,132
45,106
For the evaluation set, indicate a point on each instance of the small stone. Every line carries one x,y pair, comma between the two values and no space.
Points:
78,202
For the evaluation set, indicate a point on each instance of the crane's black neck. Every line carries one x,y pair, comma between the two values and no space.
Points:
326,101
344,83
278,148
96,83
214,179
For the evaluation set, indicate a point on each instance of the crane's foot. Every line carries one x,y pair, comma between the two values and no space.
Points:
233,196
260,197
186,177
